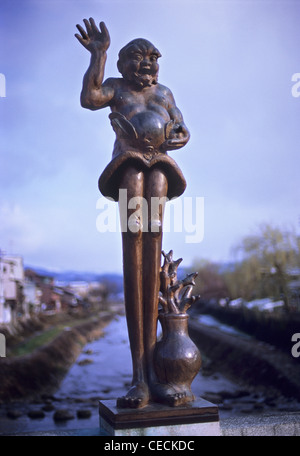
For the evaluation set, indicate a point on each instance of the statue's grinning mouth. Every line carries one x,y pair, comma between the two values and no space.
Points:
145,71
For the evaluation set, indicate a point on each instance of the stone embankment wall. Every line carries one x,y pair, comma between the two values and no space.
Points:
41,371
248,361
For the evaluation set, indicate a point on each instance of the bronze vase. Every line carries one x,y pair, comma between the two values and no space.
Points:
177,360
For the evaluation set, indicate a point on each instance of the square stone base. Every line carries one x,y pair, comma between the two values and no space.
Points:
198,418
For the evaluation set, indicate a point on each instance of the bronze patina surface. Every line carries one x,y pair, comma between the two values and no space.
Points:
147,124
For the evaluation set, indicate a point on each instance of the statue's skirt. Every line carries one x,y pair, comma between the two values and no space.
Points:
109,181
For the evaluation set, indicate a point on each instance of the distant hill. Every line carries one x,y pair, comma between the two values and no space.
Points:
78,276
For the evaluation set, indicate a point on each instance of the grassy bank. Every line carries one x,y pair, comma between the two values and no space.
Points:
39,363
51,328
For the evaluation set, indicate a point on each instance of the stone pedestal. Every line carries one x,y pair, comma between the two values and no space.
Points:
198,418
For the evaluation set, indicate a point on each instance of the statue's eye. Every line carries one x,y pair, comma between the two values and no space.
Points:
137,56
153,58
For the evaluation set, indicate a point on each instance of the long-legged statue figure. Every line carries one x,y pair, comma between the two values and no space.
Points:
147,124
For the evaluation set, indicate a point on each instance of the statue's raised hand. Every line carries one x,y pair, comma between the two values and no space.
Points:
93,39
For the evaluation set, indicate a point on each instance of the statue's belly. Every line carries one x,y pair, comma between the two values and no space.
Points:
150,128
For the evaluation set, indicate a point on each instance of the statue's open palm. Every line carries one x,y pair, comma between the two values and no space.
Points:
93,39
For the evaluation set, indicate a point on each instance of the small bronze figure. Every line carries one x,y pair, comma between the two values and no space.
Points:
147,124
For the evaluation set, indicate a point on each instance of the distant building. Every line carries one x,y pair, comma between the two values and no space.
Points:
32,295
97,294
79,287
11,289
47,296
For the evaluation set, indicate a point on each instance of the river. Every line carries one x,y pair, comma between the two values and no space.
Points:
103,371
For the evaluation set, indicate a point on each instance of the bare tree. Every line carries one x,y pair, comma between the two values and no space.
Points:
267,257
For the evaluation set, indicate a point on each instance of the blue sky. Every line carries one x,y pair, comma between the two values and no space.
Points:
229,65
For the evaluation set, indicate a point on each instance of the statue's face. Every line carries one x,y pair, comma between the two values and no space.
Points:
139,65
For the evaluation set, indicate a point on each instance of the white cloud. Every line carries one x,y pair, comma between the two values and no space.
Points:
18,230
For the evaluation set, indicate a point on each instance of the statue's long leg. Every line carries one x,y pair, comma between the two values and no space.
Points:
138,395
156,187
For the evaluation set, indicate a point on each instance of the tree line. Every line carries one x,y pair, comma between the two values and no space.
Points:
267,265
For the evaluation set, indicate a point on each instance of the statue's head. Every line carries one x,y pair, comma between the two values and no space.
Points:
138,62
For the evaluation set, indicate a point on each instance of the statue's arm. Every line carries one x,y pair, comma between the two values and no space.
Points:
95,94
178,134
181,134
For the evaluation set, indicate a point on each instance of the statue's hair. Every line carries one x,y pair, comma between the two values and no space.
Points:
138,44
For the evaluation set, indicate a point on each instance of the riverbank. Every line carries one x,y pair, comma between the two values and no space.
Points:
240,387
102,371
41,371
256,365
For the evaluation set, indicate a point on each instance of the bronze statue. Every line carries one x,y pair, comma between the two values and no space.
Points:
147,124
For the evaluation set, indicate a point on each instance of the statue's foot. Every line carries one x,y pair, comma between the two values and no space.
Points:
187,392
171,395
137,397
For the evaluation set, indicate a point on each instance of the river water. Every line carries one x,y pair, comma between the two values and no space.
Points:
103,371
